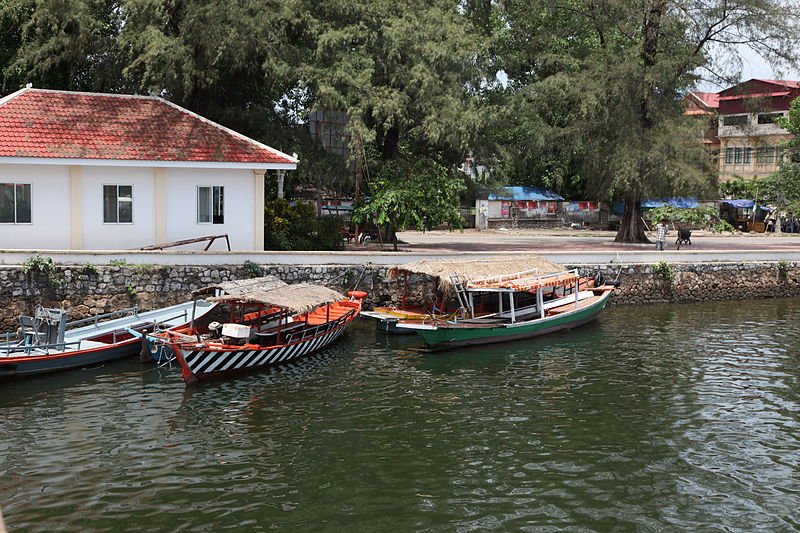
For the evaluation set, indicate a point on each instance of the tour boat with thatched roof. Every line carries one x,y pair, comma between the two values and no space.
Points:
496,303
268,322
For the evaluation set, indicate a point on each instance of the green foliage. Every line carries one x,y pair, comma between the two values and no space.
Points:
663,270
145,267
413,192
118,263
37,264
130,290
89,268
783,267
252,270
296,226
722,226
696,216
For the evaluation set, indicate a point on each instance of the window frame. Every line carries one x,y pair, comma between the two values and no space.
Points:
16,221
770,118
212,194
729,155
765,155
735,120
117,203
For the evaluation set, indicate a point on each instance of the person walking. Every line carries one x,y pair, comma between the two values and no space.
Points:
661,234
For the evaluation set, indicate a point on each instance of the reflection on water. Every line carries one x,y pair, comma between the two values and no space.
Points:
657,418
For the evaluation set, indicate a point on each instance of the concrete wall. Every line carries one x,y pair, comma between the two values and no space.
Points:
50,207
181,205
84,291
67,207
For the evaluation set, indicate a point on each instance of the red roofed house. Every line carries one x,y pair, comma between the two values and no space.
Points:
103,171
702,104
747,131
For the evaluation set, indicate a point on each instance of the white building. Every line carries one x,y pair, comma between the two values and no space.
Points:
109,172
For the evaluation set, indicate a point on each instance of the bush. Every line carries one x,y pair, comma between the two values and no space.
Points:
38,265
296,227
663,270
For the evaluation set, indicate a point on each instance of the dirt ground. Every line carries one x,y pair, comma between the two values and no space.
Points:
575,240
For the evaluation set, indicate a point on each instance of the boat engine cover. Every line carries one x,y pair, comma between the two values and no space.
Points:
236,331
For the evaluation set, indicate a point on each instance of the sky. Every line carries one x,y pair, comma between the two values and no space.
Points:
755,67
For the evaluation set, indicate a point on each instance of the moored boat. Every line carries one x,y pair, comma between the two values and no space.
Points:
525,305
46,342
269,323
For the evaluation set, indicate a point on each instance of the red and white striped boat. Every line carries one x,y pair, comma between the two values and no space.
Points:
268,326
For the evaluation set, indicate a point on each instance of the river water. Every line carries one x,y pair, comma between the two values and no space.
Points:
658,418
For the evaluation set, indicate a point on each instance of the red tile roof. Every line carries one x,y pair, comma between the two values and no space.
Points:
708,99
71,125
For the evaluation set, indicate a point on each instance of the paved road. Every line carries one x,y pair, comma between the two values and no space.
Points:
585,240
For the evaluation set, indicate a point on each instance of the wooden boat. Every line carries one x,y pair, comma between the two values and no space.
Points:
270,323
387,318
46,342
550,303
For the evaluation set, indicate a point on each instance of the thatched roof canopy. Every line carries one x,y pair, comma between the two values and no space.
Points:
298,298
477,269
244,286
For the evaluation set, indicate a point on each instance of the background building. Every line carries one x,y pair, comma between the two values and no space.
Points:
748,135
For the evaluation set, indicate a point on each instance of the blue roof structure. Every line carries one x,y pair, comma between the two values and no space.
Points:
739,204
682,203
525,193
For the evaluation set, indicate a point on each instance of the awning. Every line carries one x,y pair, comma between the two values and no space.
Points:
739,204
525,193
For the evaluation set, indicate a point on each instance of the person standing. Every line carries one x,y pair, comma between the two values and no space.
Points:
661,234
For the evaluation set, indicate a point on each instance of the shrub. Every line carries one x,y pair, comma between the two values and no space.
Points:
296,227
38,265
118,263
252,270
130,290
663,270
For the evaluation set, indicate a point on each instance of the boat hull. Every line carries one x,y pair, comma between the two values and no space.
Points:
20,366
453,336
203,362
115,340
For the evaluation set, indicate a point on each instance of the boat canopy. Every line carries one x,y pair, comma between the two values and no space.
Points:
477,269
299,298
243,286
524,281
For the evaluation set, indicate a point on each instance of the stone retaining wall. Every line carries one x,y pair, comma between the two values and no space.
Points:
84,291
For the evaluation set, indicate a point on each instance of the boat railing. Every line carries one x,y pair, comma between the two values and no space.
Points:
8,349
306,333
94,319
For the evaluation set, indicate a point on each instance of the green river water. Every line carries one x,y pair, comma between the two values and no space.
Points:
658,418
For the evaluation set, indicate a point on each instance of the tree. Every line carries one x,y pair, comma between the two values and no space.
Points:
412,191
606,77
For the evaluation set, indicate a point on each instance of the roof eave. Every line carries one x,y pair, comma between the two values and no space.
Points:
143,163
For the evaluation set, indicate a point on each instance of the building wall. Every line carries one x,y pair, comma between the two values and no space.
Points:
739,147
239,205
164,207
98,235
50,207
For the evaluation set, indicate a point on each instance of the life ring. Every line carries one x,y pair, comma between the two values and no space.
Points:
357,295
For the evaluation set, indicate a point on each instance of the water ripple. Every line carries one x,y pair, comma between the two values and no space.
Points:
652,419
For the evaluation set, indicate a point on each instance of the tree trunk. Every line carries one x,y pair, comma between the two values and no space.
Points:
631,228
